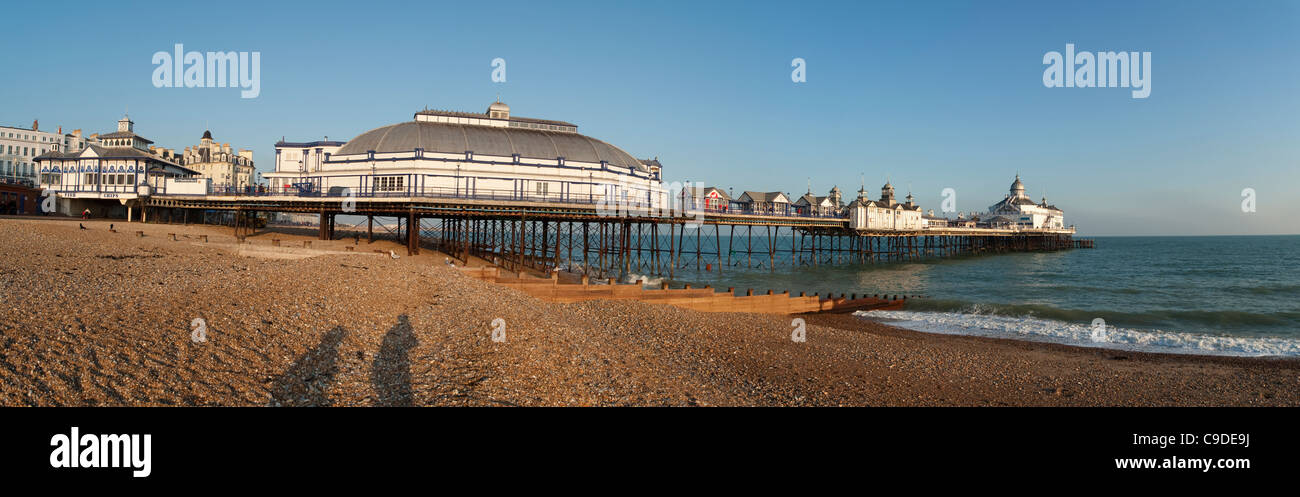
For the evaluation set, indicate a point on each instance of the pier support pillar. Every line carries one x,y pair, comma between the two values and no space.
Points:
412,233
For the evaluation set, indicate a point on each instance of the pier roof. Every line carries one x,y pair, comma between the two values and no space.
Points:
458,138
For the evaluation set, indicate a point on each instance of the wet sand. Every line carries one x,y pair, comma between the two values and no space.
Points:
97,318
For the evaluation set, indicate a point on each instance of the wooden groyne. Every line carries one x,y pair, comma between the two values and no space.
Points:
704,299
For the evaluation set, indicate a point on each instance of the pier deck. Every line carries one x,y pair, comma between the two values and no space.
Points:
601,240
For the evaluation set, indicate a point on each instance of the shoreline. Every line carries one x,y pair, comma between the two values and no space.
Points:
876,327
98,318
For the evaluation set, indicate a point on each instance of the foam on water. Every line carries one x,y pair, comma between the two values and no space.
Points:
1081,334
649,281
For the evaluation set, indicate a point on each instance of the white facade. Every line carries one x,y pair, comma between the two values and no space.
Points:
1017,210
19,148
884,214
297,161
121,169
486,156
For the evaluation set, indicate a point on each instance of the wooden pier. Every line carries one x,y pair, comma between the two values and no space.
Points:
584,238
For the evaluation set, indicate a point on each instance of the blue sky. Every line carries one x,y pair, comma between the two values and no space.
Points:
929,94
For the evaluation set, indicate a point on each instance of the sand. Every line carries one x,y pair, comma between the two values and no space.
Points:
92,318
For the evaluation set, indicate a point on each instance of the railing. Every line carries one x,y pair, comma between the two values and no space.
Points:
309,190
18,180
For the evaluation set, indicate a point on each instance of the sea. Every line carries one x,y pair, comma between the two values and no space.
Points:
1213,295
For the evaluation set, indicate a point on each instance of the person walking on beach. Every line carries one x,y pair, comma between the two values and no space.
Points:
86,213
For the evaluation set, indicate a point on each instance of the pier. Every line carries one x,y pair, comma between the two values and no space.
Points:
593,239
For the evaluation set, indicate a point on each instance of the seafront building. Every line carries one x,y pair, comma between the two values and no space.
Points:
218,162
492,155
297,161
1018,211
19,148
885,214
106,177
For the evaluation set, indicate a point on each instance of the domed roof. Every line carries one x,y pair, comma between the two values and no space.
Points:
1017,186
456,138
499,105
207,135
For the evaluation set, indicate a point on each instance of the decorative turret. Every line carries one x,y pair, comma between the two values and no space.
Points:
125,124
498,110
1018,188
887,194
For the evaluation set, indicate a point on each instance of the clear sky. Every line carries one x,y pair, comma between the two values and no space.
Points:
928,94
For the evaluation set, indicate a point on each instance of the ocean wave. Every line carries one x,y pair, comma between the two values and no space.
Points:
647,281
1084,334
1202,319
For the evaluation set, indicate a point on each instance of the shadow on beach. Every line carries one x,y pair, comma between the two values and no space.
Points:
308,379
391,372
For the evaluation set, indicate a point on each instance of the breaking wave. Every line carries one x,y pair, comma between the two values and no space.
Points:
1080,332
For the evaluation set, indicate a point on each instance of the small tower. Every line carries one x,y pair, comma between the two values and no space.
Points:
498,110
1018,188
835,197
887,194
125,124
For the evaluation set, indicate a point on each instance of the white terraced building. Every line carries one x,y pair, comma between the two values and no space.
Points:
19,148
493,155
885,214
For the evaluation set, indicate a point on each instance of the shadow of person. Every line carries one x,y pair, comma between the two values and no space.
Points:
390,374
308,379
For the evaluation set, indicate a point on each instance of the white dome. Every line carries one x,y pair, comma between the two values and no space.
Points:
1018,188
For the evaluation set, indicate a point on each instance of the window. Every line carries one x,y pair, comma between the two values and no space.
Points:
389,184
542,186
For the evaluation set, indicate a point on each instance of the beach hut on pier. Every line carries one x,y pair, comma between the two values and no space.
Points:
709,198
812,205
764,202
